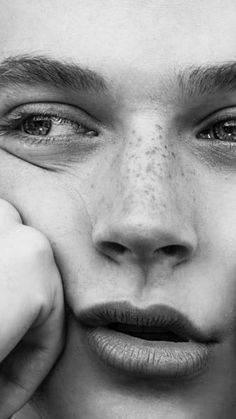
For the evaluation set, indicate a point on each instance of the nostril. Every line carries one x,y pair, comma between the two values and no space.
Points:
174,250
113,247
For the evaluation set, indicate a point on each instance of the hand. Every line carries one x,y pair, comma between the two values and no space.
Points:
31,310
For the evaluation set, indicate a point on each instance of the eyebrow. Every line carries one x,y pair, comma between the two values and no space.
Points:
25,69
192,81
207,79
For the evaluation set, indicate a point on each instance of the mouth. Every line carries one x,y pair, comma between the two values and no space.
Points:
147,332
155,342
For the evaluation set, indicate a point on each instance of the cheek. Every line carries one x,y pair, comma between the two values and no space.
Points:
46,203
209,295
216,222
213,271
59,205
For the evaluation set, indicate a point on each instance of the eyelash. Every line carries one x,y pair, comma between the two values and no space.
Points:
13,124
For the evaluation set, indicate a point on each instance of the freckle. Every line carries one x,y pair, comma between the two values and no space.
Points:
173,154
139,139
92,186
149,168
165,147
164,155
133,131
159,127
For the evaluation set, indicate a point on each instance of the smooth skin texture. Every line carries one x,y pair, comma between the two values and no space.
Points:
145,181
31,310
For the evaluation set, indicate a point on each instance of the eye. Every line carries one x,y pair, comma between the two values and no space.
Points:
42,124
50,125
224,130
42,133
50,134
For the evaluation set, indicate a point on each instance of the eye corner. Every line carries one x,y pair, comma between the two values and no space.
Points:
204,134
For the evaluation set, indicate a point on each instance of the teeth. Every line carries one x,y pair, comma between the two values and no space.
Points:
147,332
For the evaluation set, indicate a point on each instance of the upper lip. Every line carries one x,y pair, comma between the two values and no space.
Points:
154,316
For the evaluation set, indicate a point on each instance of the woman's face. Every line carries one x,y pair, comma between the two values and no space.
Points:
132,177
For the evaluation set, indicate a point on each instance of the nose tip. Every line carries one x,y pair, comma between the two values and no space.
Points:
144,243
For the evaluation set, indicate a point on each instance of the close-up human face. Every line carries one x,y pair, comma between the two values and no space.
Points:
117,142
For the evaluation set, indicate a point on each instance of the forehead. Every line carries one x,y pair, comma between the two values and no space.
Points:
130,37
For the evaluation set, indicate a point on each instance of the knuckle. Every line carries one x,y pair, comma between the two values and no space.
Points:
32,243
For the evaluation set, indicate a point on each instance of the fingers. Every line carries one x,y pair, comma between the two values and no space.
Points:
31,310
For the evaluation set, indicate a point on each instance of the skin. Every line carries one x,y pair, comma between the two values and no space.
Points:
148,184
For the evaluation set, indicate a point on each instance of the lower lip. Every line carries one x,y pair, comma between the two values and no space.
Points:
164,359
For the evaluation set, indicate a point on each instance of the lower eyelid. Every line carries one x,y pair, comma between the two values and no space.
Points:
34,141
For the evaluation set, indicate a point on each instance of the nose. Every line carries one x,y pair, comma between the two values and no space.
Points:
143,240
144,216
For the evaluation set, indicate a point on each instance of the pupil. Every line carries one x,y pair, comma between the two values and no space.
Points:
34,126
225,131
230,129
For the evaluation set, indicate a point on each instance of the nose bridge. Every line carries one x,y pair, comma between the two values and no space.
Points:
147,173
